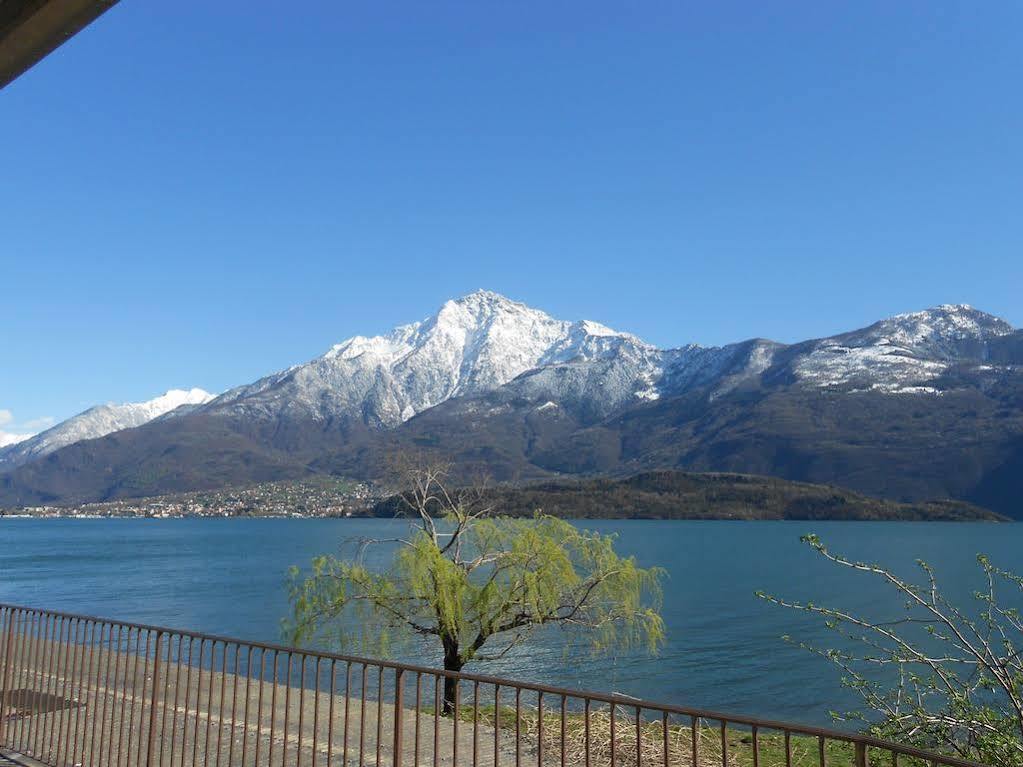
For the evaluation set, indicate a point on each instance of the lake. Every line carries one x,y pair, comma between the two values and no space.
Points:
724,647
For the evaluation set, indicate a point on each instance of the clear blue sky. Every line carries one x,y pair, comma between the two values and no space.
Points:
197,193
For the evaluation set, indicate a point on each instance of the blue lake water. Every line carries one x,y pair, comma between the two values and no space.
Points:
724,647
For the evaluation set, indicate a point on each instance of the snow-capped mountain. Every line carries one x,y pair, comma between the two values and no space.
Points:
475,344
99,421
484,342
905,353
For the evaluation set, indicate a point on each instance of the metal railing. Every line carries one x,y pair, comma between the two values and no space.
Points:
79,690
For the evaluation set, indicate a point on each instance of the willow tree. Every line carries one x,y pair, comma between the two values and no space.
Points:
477,584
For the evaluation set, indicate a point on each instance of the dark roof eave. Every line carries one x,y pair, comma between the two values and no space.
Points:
31,29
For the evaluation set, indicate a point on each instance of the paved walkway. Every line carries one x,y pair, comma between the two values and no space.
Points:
71,705
97,711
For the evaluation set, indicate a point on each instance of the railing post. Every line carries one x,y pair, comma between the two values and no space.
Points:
7,671
151,740
862,759
399,707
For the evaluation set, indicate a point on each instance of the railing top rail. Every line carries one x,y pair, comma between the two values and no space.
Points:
609,698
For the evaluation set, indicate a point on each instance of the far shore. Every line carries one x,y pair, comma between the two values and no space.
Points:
994,519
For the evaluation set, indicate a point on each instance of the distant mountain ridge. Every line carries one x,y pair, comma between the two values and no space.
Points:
99,421
915,407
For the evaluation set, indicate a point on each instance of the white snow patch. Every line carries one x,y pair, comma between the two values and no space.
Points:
8,438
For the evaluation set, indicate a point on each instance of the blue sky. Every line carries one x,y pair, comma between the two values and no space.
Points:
198,193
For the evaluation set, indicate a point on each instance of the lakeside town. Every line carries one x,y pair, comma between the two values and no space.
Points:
319,497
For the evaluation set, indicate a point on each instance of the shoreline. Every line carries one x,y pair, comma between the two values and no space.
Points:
306,517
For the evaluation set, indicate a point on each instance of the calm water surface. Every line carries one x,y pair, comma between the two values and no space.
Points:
724,649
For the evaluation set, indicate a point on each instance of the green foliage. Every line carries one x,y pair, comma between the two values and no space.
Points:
940,677
478,585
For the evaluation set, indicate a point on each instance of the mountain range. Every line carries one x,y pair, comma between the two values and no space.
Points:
920,406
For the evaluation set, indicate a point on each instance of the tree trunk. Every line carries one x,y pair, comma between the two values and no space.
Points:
452,662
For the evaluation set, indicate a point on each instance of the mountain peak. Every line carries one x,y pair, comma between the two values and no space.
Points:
942,323
485,296
482,307
482,303
950,310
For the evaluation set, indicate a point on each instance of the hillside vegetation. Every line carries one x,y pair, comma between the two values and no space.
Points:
690,495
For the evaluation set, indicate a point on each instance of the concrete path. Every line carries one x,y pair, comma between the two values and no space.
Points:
95,704
70,705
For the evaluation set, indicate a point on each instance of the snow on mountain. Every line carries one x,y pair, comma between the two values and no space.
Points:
902,354
722,368
632,372
99,421
473,345
484,342
7,438
598,376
